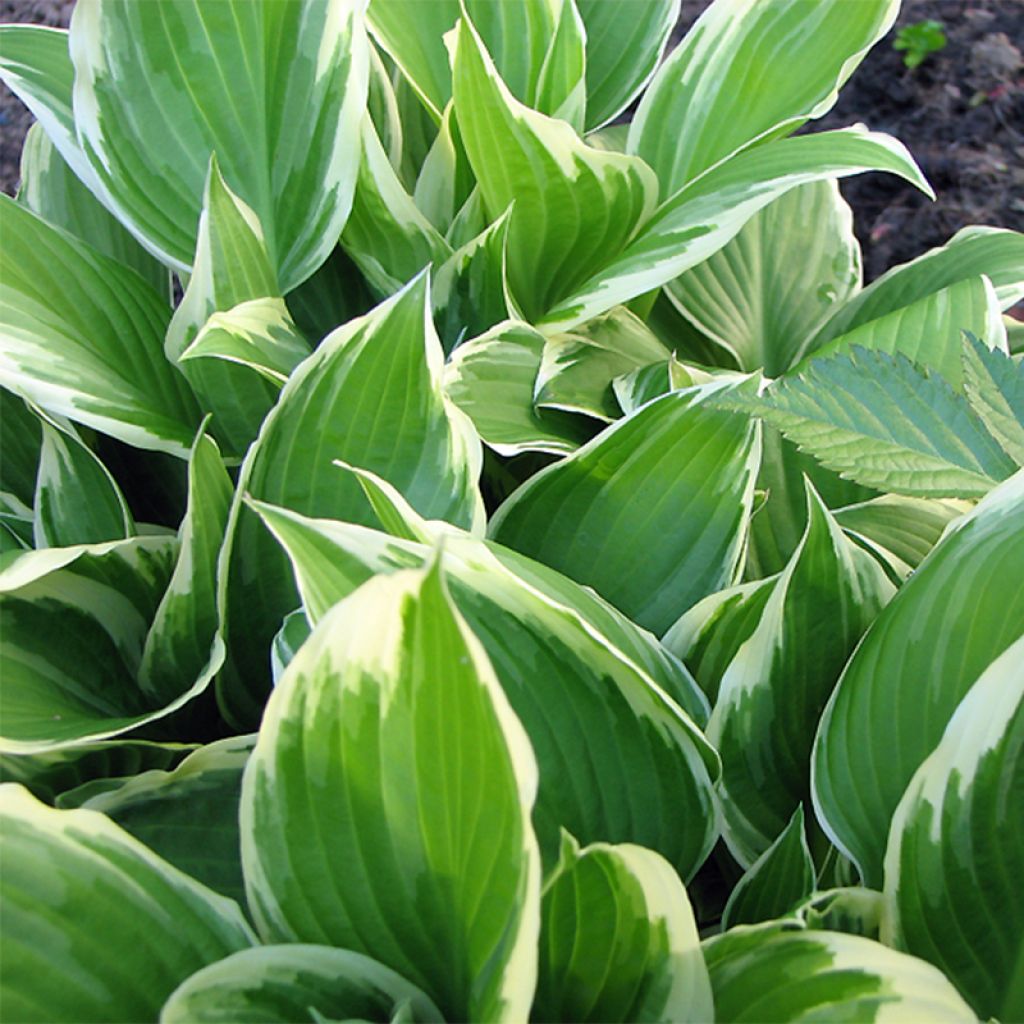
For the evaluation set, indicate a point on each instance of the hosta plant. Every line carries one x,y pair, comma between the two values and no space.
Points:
472,553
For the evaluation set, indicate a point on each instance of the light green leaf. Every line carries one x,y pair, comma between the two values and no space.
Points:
445,181
776,882
676,476
81,336
95,926
430,759
955,856
184,646
281,128
382,106
618,940
77,501
51,190
591,705
574,206
881,421
995,388
762,973
371,395
700,218
746,72
852,910
294,632
994,252
779,680
624,45
296,982
961,609
561,88
491,379
765,294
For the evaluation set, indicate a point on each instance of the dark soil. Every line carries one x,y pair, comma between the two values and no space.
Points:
961,113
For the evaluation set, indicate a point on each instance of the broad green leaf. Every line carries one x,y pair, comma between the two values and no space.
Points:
614,749
184,646
777,881
296,982
51,190
578,369
959,611
491,379
371,395
640,386
677,477
618,940
231,266
23,440
928,332
99,600
772,694
276,91
81,336
95,926
390,742
767,973
624,45
883,422
77,501
387,236
574,206
852,910
695,222
955,852
445,181
746,72
766,293
995,388
994,252
188,816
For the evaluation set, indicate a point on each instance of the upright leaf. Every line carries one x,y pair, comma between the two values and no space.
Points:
416,781
995,389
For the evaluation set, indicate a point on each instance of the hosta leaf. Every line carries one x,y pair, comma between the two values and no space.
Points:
731,81
184,646
960,610
956,847
81,335
445,181
574,690
188,816
491,379
390,742
695,222
296,982
995,389
852,910
676,476
779,680
23,440
280,128
574,206
371,395
624,45
77,501
767,973
766,293
618,940
777,881
51,190
294,632
100,600
332,296
72,878
578,369
881,421
994,252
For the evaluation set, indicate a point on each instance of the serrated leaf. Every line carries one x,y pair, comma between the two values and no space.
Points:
432,757
295,982
281,130
72,876
961,609
618,940
677,475
995,388
955,849
776,882
881,421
